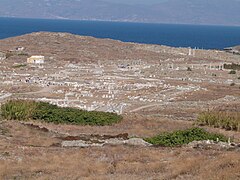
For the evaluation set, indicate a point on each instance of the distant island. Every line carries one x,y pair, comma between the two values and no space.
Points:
214,12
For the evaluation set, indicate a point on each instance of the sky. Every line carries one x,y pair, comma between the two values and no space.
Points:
148,2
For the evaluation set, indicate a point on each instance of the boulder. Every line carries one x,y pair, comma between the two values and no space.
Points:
137,142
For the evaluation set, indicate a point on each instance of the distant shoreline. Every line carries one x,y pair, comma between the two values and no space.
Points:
173,35
120,21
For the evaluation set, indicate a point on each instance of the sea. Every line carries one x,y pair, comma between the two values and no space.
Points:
194,36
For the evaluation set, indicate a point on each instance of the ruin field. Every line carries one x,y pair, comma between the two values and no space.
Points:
154,88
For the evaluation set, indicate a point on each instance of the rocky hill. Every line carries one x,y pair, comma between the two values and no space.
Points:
156,89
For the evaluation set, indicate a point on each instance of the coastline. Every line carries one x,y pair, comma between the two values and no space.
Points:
174,35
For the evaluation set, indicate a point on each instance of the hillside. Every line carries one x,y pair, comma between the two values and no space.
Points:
166,98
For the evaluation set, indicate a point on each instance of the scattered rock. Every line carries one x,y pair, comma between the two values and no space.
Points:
79,143
209,144
37,127
137,142
88,137
113,141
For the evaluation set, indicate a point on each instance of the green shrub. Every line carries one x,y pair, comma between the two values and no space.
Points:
24,110
220,119
19,65
178,138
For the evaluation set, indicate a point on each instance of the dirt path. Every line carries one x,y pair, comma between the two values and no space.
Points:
4,97
43,90
144,107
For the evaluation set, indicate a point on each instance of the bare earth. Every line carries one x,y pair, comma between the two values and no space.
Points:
155,88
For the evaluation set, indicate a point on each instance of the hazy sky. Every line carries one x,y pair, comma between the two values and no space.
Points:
148,2
136,1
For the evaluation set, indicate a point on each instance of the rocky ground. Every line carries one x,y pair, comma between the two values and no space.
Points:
40,151
165,99
234,50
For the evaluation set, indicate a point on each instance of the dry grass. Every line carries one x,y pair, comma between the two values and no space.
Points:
133,124
21,158
121,163
220,119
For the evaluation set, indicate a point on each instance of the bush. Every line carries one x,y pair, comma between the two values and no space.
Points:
25,110
220,119
189,69
9,54
232,72
232,66
19,65
179,138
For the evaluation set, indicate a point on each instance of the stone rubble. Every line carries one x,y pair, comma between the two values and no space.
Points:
114,141
209,144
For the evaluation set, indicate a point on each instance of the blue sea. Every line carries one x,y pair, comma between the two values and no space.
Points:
199,36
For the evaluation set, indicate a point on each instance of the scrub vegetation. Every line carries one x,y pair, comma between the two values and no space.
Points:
30,110
181,137
220,119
